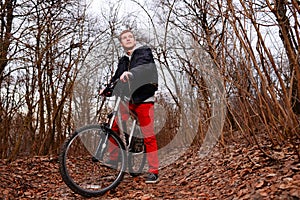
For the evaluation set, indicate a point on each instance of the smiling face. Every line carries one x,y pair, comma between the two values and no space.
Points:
127,41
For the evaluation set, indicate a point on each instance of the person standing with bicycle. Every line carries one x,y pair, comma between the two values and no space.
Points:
138,70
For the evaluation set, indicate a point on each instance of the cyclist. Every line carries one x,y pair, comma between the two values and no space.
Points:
138,70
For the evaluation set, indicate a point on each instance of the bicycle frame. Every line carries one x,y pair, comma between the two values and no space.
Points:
117,114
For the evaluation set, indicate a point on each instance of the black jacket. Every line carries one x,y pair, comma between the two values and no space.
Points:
144,82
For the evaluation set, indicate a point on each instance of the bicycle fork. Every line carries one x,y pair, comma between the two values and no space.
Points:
100,150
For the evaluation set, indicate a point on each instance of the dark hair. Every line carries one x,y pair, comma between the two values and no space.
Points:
125,31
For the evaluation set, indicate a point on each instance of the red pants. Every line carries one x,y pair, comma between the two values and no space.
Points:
145,115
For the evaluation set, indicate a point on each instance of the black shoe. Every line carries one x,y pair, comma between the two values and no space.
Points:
152,178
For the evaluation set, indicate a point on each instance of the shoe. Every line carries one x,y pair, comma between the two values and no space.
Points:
152,178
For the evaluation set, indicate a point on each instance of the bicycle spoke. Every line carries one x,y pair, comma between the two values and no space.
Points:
85,173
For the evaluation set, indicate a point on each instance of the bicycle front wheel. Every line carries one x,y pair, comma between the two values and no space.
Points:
85,161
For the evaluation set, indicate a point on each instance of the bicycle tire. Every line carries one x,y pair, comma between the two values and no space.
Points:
79,169
137,154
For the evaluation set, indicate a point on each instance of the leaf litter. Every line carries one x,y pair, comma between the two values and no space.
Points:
238,171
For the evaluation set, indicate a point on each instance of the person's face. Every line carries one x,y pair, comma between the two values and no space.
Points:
128,41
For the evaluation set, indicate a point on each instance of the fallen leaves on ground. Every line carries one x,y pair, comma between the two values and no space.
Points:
235,172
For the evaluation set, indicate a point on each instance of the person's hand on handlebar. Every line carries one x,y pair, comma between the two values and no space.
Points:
126,76
106,92
101,91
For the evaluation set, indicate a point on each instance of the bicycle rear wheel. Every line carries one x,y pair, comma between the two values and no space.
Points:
84,161
137,153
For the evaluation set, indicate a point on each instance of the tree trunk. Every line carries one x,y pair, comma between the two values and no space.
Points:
286,35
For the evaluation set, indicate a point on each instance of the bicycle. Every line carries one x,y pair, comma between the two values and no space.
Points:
84,161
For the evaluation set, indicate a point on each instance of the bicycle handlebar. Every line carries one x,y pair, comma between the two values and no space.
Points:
117,88
107,92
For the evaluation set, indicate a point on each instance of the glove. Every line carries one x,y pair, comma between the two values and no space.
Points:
106,92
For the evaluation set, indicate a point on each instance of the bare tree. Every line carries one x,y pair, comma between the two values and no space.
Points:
239,37
51,40
287,17
54,58
7,17
6,24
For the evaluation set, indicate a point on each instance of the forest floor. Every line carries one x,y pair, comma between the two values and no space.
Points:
239,171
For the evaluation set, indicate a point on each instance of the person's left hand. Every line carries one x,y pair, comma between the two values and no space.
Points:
125,76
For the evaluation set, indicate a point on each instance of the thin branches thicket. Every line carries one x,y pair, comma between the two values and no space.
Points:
254,45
